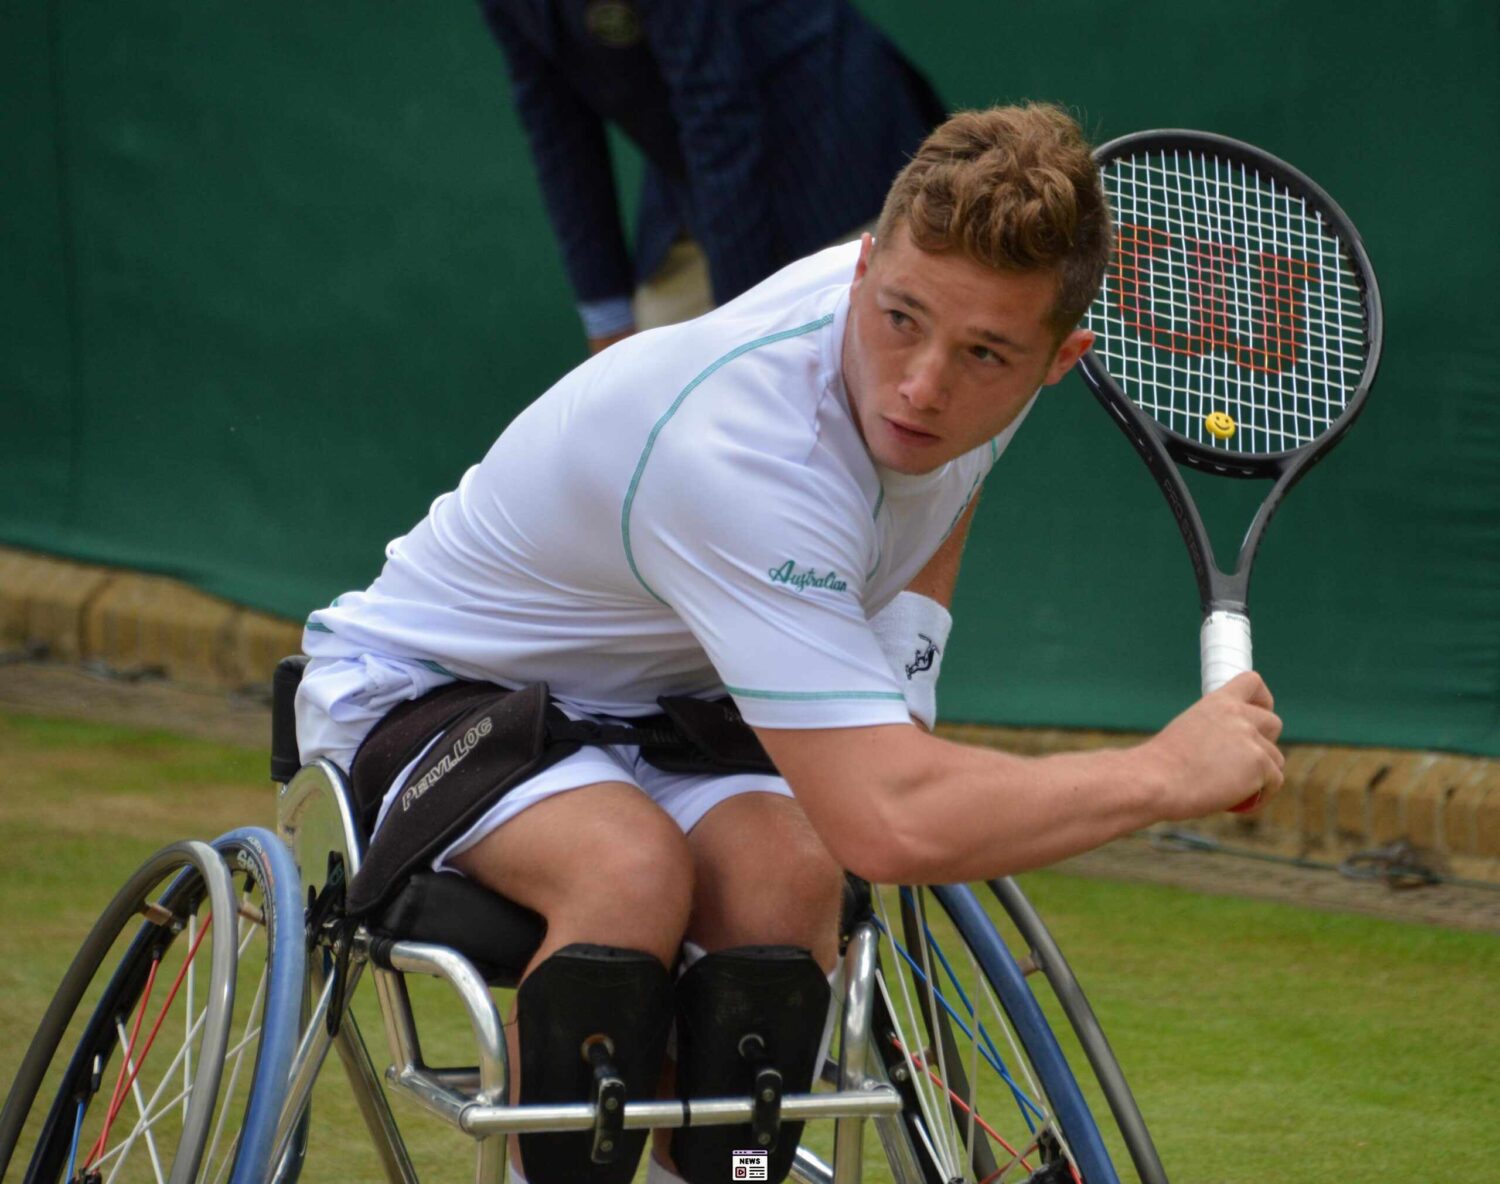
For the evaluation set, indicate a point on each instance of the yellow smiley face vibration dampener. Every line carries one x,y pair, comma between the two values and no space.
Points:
1219,424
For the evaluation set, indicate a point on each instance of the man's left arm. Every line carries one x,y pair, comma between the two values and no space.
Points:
938,579
913,628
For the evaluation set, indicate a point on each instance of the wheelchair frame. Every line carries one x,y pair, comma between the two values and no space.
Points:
475,1100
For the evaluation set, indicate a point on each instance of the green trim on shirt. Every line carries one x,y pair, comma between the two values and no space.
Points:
969,497
640,467
318,627
805,696
879,550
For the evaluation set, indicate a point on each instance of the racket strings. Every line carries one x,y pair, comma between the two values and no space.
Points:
1230,304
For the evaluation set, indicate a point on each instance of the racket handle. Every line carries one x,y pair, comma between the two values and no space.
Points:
1224,648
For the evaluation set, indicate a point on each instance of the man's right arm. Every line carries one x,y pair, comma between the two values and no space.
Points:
896,805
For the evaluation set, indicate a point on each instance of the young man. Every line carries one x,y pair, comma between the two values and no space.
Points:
770,502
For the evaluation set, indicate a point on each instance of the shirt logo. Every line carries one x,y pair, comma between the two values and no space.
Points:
923,659
807,578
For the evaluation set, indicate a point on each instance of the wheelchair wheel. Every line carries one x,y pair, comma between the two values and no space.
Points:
990,1095
164,1054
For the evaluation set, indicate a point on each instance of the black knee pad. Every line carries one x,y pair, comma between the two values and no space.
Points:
580,993
724,1001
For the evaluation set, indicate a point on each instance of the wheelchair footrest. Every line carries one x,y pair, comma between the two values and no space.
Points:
608,1100
874,1102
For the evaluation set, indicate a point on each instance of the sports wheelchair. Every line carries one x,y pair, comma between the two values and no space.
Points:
185,1039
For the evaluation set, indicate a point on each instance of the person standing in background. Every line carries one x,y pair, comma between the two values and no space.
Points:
769,128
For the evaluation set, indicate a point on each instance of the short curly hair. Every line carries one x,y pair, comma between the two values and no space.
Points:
1014,189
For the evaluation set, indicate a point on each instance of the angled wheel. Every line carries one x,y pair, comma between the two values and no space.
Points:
990,1095
164,1054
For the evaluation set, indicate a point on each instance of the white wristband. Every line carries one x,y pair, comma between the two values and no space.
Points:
913,631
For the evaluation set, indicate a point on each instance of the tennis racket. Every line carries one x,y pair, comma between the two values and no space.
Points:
1238,332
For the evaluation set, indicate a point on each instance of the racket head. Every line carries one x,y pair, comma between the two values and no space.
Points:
1238,288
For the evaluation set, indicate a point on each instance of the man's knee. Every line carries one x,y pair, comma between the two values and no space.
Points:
564,848
774,883
803,893
812,874
634,874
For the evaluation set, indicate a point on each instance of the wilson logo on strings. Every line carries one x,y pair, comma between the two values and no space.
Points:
1195,296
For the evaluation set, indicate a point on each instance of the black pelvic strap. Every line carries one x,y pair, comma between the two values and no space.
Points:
589,1016
738,1012
497,739
490,739
407,728
689,736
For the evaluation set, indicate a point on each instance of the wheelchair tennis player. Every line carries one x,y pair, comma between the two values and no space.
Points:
742,533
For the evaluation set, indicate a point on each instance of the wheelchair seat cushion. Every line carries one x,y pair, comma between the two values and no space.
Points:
496,934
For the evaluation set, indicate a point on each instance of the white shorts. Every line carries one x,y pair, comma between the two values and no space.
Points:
686,797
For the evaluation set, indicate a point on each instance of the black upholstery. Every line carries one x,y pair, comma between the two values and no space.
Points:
496,934
285,760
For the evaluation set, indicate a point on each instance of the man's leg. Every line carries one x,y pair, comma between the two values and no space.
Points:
602,864
761,876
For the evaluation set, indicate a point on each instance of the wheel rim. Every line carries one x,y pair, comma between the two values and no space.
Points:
129,1091
988,1100
168,1040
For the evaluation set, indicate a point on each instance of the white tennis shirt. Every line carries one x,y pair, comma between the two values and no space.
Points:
692,511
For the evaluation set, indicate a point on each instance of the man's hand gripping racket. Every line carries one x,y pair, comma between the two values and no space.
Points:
1238,331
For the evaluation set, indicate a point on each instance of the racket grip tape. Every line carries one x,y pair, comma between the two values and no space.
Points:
1224,648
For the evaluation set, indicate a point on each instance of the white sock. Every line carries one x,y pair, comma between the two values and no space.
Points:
656,1173
513,1176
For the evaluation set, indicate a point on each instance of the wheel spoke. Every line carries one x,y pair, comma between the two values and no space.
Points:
930,1130
185,1095
143,1124
115,1096
1024,1097
223,1171
955,1048
117,999
227,1093
915,901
